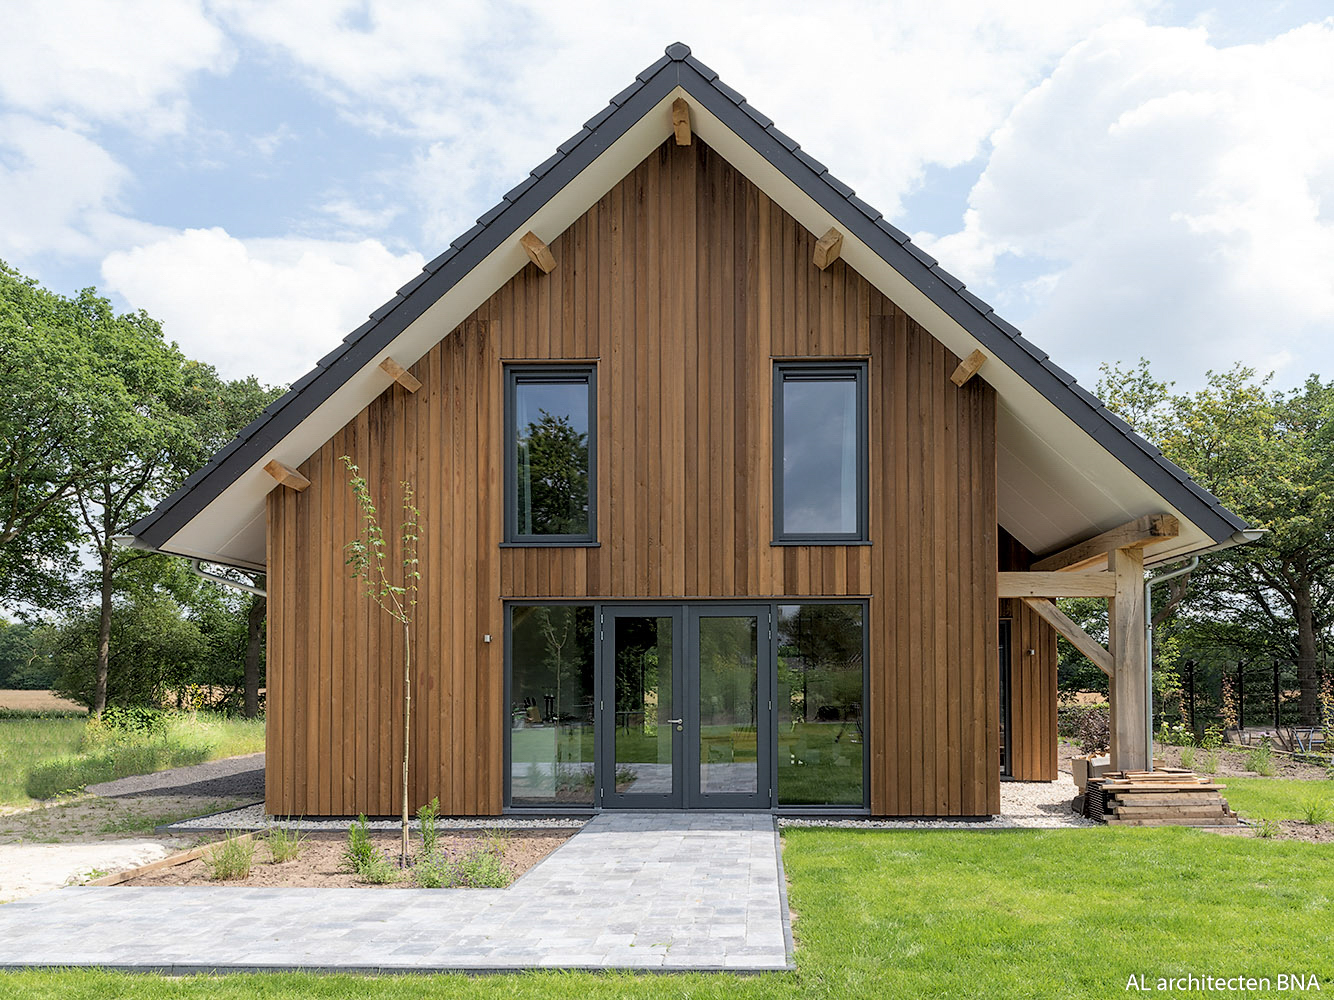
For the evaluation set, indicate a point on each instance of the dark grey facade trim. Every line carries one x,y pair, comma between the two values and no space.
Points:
814,370
679,68
580,374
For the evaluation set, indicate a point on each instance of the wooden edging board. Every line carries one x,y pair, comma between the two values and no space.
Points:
171,861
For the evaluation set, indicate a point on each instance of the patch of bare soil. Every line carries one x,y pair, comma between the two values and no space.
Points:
1231,762
319,865
1312,833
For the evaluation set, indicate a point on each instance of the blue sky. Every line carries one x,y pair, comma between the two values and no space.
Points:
1120,179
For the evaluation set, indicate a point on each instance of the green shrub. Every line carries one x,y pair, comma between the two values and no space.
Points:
1069,718
426,817
134,719
1178,735
1188,758
284,843
1315,810
230,859
379,870
1261,760
1212,738
482,868
434,872
359,851
1211,762
1266,828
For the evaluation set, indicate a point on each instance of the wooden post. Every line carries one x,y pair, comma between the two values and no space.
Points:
1125,616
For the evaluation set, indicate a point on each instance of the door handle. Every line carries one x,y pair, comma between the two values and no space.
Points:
677,723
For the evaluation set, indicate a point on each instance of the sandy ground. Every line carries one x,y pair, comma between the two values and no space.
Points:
318,866
29,868
111,827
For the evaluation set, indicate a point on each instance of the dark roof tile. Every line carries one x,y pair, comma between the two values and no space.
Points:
870,211
734,96
764,120
574,140
544,168
516,192
810,161
492,214
1005,327
838,185
948,278
649,70
627,93
705,71
920,254
895,233
414,284
385,309
468,237
677,51
979,304
600,117
783,138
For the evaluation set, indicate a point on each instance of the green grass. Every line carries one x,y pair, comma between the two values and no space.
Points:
1053,913
1274,798
43,757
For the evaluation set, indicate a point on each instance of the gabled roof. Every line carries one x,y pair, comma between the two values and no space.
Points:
214,515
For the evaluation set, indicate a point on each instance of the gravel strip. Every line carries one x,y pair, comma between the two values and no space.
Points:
254,818
1025,805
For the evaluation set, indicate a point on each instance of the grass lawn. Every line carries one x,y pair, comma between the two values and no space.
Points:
41,757
1058,913
1276,798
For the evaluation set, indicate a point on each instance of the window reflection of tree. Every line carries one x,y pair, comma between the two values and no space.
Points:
552,477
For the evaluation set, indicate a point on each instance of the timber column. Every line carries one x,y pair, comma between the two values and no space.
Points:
1125,618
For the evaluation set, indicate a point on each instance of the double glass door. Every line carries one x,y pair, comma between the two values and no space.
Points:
686,707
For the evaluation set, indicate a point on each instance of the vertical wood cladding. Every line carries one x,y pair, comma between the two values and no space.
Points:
1032,678
683,283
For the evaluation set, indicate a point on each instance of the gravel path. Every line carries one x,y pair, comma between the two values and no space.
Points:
229,778
254,818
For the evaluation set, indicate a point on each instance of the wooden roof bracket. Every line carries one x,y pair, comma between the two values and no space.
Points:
286,475
538,252
400,375
828,248
681,121
968,367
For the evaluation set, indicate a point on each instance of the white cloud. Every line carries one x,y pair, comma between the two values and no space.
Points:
1177,195
60,190
124,61
267,307
878,90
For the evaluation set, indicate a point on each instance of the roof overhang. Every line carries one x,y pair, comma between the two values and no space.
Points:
1066,468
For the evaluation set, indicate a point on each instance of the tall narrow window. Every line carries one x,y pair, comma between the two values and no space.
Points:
551,455
820,452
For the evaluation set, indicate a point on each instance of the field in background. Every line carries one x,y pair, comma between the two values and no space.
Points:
37,701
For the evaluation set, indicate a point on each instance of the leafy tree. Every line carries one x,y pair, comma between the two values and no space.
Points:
23,663
1269,456
553,482
367,557
53,412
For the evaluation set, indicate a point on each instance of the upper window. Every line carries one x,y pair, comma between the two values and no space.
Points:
820,452
551,448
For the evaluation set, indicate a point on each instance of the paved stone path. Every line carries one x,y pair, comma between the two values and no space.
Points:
636,891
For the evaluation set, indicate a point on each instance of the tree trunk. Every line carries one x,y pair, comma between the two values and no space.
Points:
254,638
1307,684
407,719
103,638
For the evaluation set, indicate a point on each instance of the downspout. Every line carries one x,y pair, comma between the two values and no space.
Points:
1148,647
235,585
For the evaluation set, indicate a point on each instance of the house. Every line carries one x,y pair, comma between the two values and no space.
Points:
730,497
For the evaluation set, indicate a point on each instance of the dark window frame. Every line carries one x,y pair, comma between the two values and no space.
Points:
515,374
813,371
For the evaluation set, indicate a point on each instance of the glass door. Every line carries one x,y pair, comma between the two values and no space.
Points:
728,727
643,725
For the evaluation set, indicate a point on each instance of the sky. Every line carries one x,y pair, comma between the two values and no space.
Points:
1121,179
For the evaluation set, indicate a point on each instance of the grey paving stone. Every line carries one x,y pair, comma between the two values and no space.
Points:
632,891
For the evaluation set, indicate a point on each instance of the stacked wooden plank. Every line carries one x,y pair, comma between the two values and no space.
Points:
1168,797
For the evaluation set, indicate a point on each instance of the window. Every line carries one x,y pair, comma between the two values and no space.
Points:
551,452
821,685
820,453
551,705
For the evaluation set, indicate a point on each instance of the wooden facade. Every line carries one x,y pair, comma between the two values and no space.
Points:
683,284
1032,678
